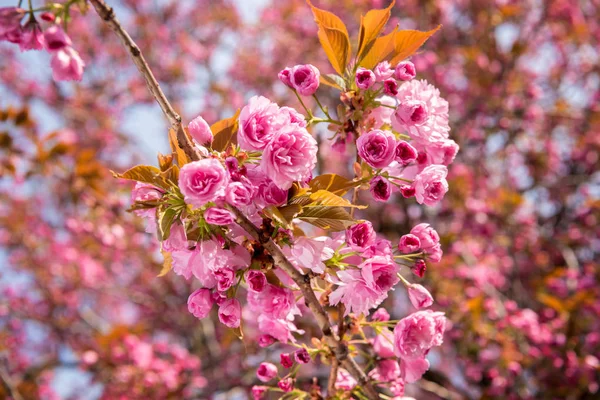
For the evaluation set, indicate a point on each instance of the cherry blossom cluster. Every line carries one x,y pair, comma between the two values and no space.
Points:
66,63
407,145
270,168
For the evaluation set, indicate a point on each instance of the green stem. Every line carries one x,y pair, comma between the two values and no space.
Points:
308,112
321,107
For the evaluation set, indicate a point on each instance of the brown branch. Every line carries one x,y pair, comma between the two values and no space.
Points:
332,378
9,386
339,348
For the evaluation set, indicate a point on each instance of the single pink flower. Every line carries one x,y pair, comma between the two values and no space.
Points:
344,381
230,313
419,296
290,156
285,77
305,79
405,71
365,78
66,65
200,131
218,216
431,185
383,71
266,371
32,37
203,181
409,244
258,122
380,188
377,148
257,281
200,303
286,385
286,360
360,236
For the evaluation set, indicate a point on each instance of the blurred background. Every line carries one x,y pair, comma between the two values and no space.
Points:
83,314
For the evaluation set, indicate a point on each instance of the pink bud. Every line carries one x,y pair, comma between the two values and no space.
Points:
32,37
256,280
302,356
409,243
218,216
286,385
390,87
230,313
225,278
380,314
199,303
258,392
200,131
419,296
266,371
380,188
305,79
286,360
66,64
285,76
56,38
407,191
405,71
419,268
266,340
383,71
47,16
405,153
365,78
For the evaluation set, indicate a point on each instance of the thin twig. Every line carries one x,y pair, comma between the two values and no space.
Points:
340,350
9,386
332,378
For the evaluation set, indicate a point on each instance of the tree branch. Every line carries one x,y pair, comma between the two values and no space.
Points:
9,386
339,348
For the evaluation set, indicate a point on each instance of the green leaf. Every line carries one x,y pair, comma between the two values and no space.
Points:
333,80
336,184
144,173
329,218
225,132
328,199
164,220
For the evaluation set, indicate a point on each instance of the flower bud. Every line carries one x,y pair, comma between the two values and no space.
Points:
230,312
405,153
266,371
200,303
419,296
200,131
365,78
286,385
409,244
419,268
285,76
256,280
302,356
390,87
405,71
305,79
286,360
380,188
